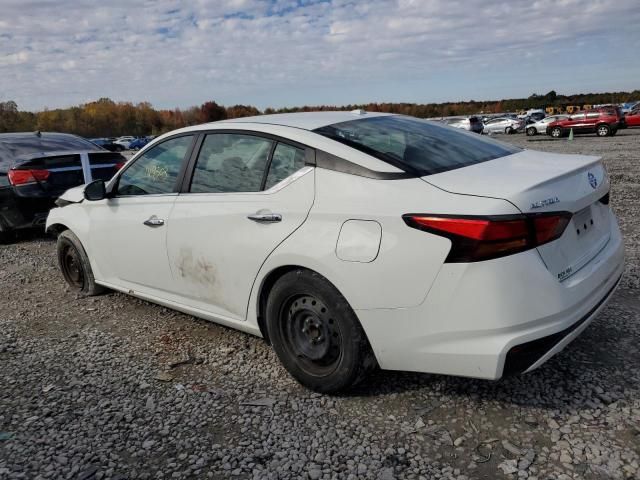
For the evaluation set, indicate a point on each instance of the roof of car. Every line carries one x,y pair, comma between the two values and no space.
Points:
7,137
307,120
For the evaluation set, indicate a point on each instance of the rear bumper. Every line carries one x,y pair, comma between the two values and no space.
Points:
475,315
529,356
20,212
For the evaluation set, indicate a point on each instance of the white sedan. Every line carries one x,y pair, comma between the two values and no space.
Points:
350,240
541,125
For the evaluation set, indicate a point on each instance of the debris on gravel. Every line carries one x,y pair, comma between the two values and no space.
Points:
96,388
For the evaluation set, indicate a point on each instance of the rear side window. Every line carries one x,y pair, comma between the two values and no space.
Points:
285,162
416,146
230,162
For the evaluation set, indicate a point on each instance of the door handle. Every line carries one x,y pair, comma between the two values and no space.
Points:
153,221
265,217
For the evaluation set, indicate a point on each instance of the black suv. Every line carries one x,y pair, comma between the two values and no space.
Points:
36,168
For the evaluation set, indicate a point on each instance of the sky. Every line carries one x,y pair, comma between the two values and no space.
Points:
310,52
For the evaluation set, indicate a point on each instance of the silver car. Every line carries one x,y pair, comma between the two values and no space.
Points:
503,125
541,125
471,124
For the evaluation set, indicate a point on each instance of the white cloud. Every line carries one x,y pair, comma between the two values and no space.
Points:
57,53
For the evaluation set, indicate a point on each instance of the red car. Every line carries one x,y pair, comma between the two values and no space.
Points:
633,119
602,121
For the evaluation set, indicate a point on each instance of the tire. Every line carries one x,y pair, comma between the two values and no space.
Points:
531,131
556,132
316,334
75,266
603,130
508,130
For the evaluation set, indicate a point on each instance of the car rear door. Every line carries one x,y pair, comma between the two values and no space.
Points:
577,121
246,193
127,238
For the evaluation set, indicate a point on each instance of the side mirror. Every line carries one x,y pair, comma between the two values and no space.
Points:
95,191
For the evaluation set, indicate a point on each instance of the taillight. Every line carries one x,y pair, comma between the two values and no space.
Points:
482,238
119,165
22,177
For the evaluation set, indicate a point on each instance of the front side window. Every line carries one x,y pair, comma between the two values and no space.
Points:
155,172
416,146
285,162
230,162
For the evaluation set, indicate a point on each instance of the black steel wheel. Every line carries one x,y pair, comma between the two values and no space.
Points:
71,266
311,334
316,334
75,266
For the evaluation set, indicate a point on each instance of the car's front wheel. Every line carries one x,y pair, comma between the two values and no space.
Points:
316,334
531,131
75,266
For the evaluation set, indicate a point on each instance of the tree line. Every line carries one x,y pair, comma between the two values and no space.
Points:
107,118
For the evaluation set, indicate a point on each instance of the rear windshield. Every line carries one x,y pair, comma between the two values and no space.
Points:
416,146
24,145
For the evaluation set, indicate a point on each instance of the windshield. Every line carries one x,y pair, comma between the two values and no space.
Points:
416,146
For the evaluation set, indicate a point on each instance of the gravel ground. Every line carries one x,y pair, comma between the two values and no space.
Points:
112,387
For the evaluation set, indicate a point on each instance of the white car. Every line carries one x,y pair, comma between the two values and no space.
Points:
350,240
541,126
124,141
503,125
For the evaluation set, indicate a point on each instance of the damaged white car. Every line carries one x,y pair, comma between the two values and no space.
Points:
350,240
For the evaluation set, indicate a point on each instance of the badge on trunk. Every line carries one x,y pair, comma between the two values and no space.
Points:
592,180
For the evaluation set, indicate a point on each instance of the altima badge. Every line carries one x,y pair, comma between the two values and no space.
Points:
545,202
593,181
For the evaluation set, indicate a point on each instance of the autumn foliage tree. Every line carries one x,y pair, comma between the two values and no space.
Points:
105,117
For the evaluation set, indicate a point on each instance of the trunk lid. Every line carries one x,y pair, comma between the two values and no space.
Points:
537,182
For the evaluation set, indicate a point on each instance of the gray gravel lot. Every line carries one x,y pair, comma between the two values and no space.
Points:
112,387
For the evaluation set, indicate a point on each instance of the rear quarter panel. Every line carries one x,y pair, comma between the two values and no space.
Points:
408,260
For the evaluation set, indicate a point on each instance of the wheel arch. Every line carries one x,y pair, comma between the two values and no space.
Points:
56,228
267,283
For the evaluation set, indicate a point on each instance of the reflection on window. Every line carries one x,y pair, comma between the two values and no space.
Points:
231,163
286,161
416,146
156,171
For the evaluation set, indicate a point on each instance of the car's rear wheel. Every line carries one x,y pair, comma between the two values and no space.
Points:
556,132
75,266
508,130
316,334
531,131
603,130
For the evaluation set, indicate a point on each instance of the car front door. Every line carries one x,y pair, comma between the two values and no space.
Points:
128,230
247,193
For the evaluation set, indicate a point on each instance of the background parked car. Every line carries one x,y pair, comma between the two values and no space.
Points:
603,122
469,123
36,168
107,144
633,118
503,125
125,141
541,125
138,143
